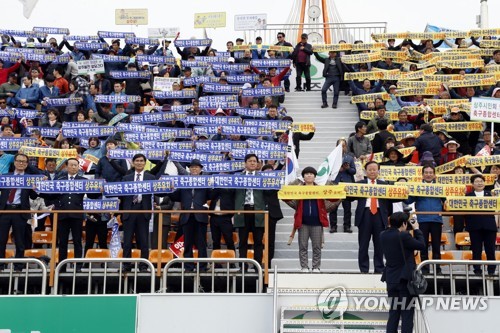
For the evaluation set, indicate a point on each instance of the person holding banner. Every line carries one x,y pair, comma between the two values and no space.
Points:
15,199
429,224
482,229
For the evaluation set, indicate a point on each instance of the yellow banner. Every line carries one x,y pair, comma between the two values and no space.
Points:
379,157
419,74
301,127
495,44
418,84
361,58
457,34
367,115
210,20
402,171
394,54
331,47
92,158
414,110
486,52
450,166
48,152
426,35
442,77
472,83
464,203
402,134
420,56
479,161
368,46
395,35
485,32
462,126
434,190
477,63
492,68
370,97
444,102
278,48
364,75
297,192
444,56
418,91
393,75
376,191
463,179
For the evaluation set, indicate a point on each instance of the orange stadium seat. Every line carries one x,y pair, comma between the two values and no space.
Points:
9,253
136,253
97,253
166,256
35,253
42,237
462,239
223,254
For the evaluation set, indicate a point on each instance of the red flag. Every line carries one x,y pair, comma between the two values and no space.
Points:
486,151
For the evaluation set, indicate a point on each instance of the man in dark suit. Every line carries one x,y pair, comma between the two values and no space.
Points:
71,221
194,226
15,199
221,224
137,224
396,242
301,57
371,219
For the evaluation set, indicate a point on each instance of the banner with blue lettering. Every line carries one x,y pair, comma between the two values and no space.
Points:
192,42
211,59
207,131
179,94
192,81
10,56
188,181
143,41
145,75
27,113
136,188
70,186
64,101
252,78
184,133
183,145
218,146
42,58
224,166
20,181
194,63
268,145
261,153
127,154
221,88
246,130
249,112
218,104
117,99
47,132
181,108
275,125
256,92
130,128
157,117
156,59
23,33
112,34
212,120
102,204
171,133
74,124
14,144
263,63
23,50
52,31
81,38
185,156
219,98
225,181
90,46
88,132
38,45
221,66
110,58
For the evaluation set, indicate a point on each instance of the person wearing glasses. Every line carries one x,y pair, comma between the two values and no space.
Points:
15,199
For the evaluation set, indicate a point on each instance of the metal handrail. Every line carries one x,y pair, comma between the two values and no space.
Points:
212,272
467,264
14,275
105,261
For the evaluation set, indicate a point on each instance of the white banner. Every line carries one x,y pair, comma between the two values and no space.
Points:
250,22
90,66
164,83
485,109
163,32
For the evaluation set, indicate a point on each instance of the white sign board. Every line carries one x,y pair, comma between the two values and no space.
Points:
163,32
250,22
129,16
485,109
164,83
90,66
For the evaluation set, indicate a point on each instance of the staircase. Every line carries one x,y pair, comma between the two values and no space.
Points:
341,249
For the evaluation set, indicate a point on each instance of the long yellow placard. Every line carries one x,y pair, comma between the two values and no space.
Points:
495,44
444,102
374,75
443,77
478,161
376,191
418,91
400,171
472,83
419,74
402,134
366,98
301,127
463,126
368,46
331,47
434,190
475,63
367,115
379,157
418,84
450,166
361,58
464,203
453,179
297,192
48,152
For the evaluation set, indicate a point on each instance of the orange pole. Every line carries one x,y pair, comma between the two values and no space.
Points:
326,31
302,16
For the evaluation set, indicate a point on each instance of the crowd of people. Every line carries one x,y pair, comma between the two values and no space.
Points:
45,97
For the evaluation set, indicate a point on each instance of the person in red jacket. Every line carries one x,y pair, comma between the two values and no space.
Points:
310,219
4,72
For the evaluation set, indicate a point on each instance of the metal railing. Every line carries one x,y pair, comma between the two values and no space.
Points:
171,269
55,215
335,32
106,271
14,275
453,276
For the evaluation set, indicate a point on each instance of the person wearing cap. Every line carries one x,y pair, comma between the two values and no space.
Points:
4,72
284,55
260,53
194,226
333,72
395,104
403,124
393,158
428,141
463,138
452,153
9,88
187,51
301,57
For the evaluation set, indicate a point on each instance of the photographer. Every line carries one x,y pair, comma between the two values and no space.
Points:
396,242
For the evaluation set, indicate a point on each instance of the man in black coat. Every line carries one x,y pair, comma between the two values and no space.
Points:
396,243
221,224
301,57
15,199
333,72
137,224
428,141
